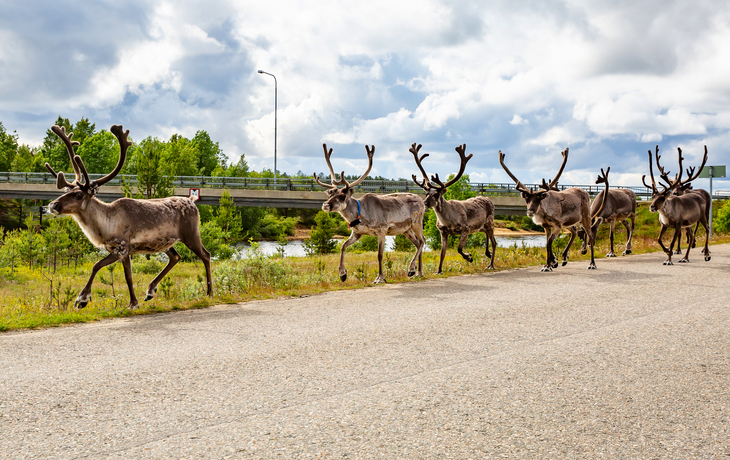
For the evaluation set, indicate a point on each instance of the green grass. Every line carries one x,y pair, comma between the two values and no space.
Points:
27,301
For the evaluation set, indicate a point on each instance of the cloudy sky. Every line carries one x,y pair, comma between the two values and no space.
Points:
607,79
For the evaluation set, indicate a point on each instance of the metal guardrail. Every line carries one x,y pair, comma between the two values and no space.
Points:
287,184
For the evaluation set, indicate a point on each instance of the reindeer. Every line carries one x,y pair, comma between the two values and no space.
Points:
456,217
556,209
678,211
620,207
376,215
126,226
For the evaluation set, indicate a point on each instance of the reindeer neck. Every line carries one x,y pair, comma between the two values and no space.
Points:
93,220
350,211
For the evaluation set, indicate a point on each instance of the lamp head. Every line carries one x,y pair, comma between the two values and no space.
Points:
261,71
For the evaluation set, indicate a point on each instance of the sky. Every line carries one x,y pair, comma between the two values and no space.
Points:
609,80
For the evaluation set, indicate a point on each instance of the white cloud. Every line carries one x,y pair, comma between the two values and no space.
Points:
518,120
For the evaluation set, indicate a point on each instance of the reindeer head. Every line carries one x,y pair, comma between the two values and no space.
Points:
435,189
675,186
78,193
532,197
338,197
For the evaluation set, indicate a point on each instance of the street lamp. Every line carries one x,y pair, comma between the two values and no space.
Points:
275,118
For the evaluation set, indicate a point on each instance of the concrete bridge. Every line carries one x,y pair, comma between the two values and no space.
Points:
505,205
263,192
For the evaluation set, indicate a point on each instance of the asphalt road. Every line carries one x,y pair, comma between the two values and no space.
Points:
628,361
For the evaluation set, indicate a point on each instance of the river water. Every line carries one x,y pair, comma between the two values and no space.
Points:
296,248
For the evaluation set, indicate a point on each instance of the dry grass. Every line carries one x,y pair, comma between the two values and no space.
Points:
30,303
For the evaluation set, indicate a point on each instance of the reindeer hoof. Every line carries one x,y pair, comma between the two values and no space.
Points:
149,296
411,274
683,261
626,252
565,262
379,281
592,267
546,268
343,277
707,258
554,264
677,252
667,262
491,267
79,305
611,254
133,305
469,258
584,251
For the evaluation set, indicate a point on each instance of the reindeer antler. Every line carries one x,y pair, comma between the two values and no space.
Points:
342,181
370,152
553,184
602,179
424,184
520,186
690,171
461,150
124,144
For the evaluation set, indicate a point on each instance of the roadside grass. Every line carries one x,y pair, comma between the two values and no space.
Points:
33,299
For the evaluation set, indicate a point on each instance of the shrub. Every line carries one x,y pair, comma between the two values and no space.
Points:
722,221
403,244
214,239
367,243
320,240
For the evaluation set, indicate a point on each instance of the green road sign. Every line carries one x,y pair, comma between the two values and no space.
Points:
717,171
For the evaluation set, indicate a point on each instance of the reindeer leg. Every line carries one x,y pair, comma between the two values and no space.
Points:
610,237
462,242
381,248
418,243
444,244
664,248
629,235
706,251
351,240
196,246
690,240
573,233
127,264
548,249
85,295
493,255
697,227
174,258
554,236
679,242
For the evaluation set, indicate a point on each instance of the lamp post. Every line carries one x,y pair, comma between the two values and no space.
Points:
275,118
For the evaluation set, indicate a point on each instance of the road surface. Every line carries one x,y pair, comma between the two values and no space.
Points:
628,361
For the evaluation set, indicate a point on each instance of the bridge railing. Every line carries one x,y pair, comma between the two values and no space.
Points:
288,184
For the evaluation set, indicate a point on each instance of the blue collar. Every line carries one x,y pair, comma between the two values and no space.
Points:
357,219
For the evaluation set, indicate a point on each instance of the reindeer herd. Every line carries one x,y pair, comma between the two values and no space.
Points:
130,226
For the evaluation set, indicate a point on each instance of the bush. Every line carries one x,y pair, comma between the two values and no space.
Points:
214,239
722,221
273,227
320,240
367,243
403,244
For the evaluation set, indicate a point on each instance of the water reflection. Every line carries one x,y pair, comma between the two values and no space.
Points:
296,248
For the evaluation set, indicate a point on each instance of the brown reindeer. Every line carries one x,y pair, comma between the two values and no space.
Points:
376,215
126,226
678,211
620,207
456,217
556,209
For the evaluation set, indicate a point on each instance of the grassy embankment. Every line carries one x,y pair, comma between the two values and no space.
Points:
32,298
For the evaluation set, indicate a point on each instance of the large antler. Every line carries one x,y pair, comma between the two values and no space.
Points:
333,177
461,150
651,173
520,186
124,144
553,184
424,184
61,181
665,174
691,170
370,152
